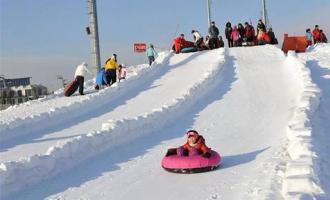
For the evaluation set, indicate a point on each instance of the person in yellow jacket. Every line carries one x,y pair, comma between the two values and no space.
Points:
111,67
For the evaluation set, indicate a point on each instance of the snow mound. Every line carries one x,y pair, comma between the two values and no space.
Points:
300,181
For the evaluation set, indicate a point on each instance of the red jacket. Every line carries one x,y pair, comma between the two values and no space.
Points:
316,35
200,145
264,36
180,43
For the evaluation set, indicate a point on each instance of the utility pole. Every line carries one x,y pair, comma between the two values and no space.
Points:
209,12
95,47
264,14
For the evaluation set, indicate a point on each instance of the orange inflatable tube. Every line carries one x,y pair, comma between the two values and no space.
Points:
294,43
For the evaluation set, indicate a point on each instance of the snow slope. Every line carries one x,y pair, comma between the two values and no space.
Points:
244,101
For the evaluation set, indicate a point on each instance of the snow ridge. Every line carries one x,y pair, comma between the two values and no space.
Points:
17,127
299,180
114,133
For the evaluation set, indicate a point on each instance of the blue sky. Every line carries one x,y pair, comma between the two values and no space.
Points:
48,37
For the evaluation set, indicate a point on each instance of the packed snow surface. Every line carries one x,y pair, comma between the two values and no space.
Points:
266,113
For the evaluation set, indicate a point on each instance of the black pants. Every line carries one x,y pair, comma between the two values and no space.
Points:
80,80
151,59
199,42
111,76
230,43
213,43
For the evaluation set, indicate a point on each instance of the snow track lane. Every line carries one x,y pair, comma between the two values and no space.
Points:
32,120
243,116
178,65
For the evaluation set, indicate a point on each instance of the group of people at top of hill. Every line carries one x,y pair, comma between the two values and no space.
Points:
247,36
236,36
317,36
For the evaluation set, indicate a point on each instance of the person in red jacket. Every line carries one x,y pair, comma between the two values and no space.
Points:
263,38
180,43
316,34
195,145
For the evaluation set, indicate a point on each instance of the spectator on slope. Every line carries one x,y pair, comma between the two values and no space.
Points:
180,43
249,32
235,37
272,37
80,76
228,31
309,36
101,79
213,33
195,145
316,34
263,38
111,67
198,39
151,53
260,27
221,43
241,31
323,38
122,72
207,42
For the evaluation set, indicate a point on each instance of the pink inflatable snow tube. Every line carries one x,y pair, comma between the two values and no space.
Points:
196,163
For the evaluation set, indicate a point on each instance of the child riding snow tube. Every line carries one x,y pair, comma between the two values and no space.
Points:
192,157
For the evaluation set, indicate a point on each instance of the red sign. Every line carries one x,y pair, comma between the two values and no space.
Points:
140,47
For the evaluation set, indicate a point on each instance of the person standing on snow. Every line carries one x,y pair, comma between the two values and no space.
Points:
323,38
213,33
151,53
228,31
241,31
249,32
80,74
272,37
111,67
316,34
235,36
309,37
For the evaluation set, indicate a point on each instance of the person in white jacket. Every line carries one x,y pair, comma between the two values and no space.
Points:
198,39
80,74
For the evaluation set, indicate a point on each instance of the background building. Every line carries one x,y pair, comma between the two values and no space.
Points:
19,90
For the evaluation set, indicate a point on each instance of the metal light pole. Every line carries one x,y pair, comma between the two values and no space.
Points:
264,13
95,47
209,12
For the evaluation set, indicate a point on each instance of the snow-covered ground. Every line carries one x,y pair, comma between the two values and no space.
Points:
267,114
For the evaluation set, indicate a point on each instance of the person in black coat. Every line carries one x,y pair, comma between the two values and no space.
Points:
213,33
228,31
271,34
241,31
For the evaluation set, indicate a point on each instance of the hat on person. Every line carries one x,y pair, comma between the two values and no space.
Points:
114,56
193,31
192,133
84,63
